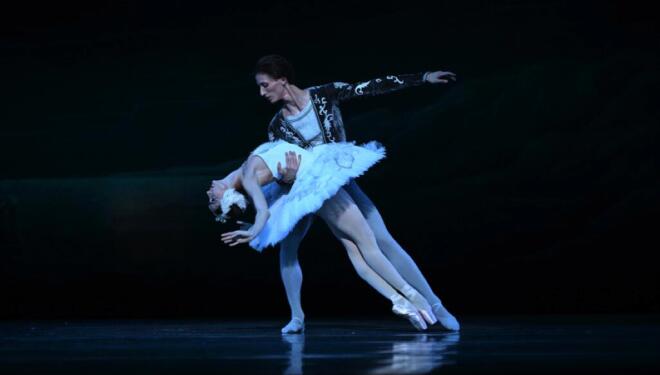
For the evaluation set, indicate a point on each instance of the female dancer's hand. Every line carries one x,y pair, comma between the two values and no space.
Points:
237,237
439,77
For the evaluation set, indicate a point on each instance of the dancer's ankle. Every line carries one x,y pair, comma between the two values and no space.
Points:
396,298
298,317
409,291
434,300
420,303
439,308
295,325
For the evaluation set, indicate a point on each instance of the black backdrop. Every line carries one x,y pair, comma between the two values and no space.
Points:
528,186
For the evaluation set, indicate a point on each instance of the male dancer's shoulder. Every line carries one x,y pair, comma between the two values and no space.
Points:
327,92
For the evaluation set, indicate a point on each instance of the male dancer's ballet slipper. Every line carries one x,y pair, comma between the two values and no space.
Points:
446,319
296,325
420,303
402,307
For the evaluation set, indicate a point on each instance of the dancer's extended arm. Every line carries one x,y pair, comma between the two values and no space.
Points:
250,183
343,91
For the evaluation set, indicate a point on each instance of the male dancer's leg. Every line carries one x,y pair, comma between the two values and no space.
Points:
292,273
398,256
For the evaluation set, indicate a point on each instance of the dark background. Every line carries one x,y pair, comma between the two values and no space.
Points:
530,186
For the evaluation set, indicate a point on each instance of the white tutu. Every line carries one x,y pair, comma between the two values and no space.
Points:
324,169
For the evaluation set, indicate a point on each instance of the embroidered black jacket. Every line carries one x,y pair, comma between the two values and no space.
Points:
325,100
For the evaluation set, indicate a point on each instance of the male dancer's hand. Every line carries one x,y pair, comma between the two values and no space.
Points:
439,77
288,173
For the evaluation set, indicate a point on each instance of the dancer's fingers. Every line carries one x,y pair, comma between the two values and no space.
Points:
236,233
243,240
229,241
228,235
239,241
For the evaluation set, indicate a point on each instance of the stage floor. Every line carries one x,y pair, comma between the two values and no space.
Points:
488,345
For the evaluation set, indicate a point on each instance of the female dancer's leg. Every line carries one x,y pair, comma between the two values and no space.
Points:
400,305
345,220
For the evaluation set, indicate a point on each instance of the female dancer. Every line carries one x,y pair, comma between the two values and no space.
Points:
322,173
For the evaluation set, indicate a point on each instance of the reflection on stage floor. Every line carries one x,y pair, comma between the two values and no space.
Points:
485,345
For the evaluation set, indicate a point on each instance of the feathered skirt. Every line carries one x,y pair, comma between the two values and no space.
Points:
323,170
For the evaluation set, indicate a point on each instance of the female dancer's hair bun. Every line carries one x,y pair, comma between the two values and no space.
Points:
230,198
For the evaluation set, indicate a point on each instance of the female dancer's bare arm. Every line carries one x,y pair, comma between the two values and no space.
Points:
253,174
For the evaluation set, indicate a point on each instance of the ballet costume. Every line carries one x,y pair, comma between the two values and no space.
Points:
323,170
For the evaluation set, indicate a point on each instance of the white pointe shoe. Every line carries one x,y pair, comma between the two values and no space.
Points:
402,307
420,303
446,319
296,325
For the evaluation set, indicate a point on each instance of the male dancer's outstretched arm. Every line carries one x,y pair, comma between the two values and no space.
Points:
341,91
384,85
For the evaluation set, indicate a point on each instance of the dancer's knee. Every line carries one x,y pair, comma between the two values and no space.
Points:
362,270
291,269
363,237
356,259
387,243
288,255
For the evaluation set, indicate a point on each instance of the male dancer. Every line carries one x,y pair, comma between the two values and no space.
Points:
311,117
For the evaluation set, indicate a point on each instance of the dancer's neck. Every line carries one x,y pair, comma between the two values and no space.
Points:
294,100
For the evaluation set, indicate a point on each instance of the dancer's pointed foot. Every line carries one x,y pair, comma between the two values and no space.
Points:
420,303
446,319
296,325
402,307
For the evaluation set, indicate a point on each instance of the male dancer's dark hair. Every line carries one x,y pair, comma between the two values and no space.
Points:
277,67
